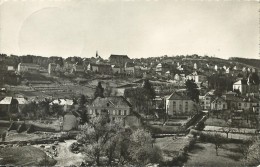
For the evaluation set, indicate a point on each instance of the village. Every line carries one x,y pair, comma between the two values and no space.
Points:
175,109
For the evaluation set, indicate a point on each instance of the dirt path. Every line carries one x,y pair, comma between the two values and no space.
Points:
67,158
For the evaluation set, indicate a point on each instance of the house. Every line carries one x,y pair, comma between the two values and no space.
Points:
51,68
10,68
118,60
77,68
100,68
216,67
195,66
205,101
132,69
197,77
179,103
116,69
28,67
219,104
5,105
117,107
159,102
246,86
65,103
162,68
71,121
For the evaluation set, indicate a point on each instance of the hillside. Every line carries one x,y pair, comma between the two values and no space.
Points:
250,62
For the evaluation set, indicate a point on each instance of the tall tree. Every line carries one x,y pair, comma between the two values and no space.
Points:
148,90
99,92
192,90
96,135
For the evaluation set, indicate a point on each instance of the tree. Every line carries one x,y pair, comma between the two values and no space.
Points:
108,139
244,148
30,109
148,90
57,110
217,141
142,150
99,92
192,90
44,108
136,97
148,93
254,152
96,135
108,90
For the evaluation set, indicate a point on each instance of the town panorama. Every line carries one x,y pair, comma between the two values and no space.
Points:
160,111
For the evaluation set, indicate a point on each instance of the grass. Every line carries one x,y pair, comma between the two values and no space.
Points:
25,156
204,154
3,127
215,122
170,147
163,129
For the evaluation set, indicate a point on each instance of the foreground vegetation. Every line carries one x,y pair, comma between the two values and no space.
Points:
25,156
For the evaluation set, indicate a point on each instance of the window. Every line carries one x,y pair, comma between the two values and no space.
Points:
180,107
119,112
186,106
114,112
90,112
224,106
123,112
126,112
174,106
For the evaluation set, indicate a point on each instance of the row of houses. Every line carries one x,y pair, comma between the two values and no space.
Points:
230,100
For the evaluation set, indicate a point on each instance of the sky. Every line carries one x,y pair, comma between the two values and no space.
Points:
137,28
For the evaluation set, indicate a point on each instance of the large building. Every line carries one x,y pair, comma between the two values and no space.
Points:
116,106
118,60
28,67
179,103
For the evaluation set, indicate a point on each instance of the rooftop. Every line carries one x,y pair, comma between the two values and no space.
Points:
6,100
179,96
115,101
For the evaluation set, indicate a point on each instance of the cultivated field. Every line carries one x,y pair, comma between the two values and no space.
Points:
204,154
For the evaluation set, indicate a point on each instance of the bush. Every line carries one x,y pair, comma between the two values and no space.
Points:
74,147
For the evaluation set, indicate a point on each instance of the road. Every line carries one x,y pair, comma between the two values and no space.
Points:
67,158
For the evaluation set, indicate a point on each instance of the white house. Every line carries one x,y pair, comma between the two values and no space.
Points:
179,103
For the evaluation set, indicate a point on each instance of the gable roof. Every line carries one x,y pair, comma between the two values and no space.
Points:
219,99
21,100
6,100
118,56
115,101
178,96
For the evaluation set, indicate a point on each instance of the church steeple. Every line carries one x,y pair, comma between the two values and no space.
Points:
97,54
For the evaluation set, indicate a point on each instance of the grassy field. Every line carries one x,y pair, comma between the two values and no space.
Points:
170,146
24,156
204,154
163,129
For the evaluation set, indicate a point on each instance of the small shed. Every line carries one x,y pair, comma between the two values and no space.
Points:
71,121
